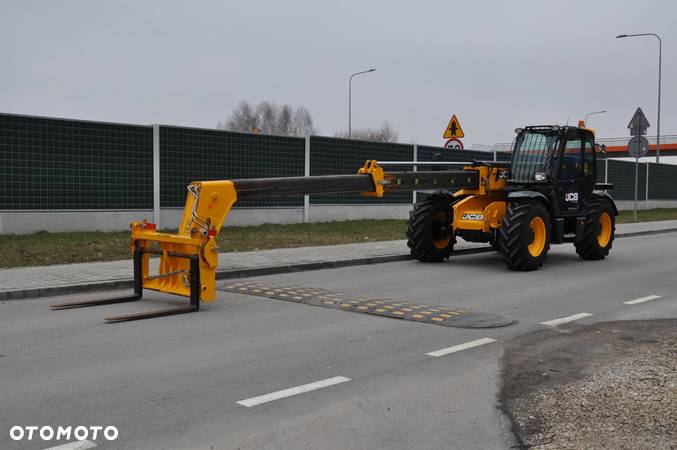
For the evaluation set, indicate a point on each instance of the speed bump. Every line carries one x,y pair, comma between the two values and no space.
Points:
396,309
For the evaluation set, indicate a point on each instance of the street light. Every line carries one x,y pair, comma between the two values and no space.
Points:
658,125
585,119
350,97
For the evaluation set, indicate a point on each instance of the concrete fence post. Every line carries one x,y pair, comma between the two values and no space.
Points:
156,176
306,172
413,194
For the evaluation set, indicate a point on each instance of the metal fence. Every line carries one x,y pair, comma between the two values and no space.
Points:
195,154
57,164
52,164
343,156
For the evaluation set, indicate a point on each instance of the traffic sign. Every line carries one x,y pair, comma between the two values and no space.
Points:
638,146
454,144
638,124
453,129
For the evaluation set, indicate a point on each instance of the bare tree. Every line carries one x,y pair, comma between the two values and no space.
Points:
267,114
243,118
386,133
302,123
269,118
284,118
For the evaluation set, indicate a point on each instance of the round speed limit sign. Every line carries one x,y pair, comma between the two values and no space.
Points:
454,144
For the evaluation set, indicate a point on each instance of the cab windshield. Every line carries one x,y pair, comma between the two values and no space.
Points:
534,152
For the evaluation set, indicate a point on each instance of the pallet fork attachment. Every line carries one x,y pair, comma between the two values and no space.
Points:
194,305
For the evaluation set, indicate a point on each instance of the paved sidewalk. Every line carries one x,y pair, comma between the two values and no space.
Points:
68,278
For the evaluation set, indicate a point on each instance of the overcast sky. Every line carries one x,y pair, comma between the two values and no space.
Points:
497,65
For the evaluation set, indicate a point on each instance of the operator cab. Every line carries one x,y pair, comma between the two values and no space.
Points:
558,162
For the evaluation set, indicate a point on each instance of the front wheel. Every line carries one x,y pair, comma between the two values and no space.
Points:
524,237
429,232
598,232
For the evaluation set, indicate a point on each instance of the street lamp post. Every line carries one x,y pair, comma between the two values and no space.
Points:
585,119
658,125
350,98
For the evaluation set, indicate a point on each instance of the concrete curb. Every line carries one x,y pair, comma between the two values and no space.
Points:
220,275
258,271
645,233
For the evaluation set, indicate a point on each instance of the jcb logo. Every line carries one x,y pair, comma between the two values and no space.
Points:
472,216
571,197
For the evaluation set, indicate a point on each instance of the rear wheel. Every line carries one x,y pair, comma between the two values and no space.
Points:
598,233
429,232
524,237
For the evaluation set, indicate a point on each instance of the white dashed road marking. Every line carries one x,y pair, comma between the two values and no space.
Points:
77,445
292,391
460,347
648,298
560,321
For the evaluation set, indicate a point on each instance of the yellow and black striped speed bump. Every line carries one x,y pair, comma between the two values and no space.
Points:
397,309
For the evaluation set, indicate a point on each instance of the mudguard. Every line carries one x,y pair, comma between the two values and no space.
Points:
606,196
515,195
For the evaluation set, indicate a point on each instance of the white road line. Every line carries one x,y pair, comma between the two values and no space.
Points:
77,445
648,298
292,391
555,322
460,347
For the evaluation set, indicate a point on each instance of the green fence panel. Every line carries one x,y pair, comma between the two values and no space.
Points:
345,156
622,175
662,182
57,164
195,154
503,156
601,165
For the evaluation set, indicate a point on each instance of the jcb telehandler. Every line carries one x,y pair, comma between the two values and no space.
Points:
546,194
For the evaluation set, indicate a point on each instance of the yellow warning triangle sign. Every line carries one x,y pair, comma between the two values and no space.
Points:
454,129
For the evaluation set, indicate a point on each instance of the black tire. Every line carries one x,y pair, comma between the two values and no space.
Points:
594,244
429,231
516,236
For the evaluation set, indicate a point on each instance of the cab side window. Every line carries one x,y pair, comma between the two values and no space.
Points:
572,164
589,155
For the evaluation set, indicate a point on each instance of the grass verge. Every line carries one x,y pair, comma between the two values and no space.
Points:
649,215
41,249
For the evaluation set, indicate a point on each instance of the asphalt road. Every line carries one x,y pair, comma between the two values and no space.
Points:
175,382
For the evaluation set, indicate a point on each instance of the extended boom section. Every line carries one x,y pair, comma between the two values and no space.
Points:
188,258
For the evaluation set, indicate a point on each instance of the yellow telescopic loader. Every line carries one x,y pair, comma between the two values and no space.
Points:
547,194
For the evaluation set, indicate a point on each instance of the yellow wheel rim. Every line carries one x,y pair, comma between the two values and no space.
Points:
604,235
538,244
441,242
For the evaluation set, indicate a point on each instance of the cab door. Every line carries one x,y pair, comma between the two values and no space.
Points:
576,172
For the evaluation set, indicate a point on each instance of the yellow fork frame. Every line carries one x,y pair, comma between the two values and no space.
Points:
207,206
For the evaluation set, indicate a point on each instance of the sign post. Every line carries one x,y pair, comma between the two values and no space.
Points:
638,145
